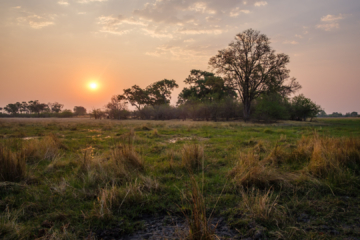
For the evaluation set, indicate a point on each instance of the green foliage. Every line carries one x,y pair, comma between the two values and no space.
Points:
271,107
303,108
205,87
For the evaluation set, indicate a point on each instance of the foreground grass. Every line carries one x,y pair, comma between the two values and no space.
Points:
282,181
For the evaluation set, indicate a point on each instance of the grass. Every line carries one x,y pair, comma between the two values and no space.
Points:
81,176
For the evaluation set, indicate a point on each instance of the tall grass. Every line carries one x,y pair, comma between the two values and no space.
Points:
194,209
335,160
250,171
12,165
192,156
40,149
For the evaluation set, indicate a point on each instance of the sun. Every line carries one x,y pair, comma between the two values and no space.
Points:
93,85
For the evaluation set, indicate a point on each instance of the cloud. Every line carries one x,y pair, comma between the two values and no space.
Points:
193,53
63,2
332,18
330,22
290,42
260,4
35,21
90,1
298,36
236,12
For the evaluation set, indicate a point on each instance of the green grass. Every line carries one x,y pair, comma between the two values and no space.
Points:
85,175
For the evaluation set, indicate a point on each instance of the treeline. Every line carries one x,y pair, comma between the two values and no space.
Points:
337,114
38,109
208,98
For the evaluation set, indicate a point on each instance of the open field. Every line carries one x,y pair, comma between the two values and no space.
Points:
93,179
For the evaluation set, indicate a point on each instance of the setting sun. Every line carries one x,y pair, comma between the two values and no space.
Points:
93,85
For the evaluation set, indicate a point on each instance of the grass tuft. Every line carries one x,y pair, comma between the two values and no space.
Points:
192,156
12,165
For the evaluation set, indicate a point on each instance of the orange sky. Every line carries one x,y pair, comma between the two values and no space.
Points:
50,50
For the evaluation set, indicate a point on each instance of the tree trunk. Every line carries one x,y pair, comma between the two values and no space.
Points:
247,106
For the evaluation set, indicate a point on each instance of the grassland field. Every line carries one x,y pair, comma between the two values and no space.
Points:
71,178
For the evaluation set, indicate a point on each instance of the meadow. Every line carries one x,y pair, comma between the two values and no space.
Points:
86,178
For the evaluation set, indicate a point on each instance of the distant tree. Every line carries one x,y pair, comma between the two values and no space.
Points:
336,114
116,108
354,114
97,114
251,67
322,113
37,107
79,110
136,96
24,107
12,108
67,113
56,107
204,87
303,108
159,93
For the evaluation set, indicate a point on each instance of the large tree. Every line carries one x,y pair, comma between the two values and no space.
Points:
136,96
160,92
205,87
252,67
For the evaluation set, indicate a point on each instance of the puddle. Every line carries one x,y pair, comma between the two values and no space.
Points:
174,140
29,138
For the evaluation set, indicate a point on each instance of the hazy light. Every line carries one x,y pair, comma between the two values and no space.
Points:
93,85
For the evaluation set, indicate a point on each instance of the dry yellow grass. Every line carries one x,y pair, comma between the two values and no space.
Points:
250,171
192,156
12,165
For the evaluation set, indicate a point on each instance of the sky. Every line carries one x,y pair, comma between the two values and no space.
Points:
51,50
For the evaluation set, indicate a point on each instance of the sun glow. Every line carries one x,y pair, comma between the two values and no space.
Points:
93,85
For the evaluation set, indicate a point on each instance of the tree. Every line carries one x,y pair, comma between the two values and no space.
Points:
24,107
354,114
79,110
205,87
12,108
136,96
251,67
56,107
159,92
116,108
303,108
37,107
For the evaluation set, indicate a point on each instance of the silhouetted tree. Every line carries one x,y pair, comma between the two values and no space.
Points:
251,67
136,96
56,107
159,93
116,108
79,110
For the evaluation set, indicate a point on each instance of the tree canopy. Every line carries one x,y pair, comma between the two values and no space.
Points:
252,67
205,87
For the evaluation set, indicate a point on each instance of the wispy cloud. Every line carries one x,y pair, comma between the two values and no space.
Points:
330,22
63,2
290,42
35,21
237,11
90,1
260,4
